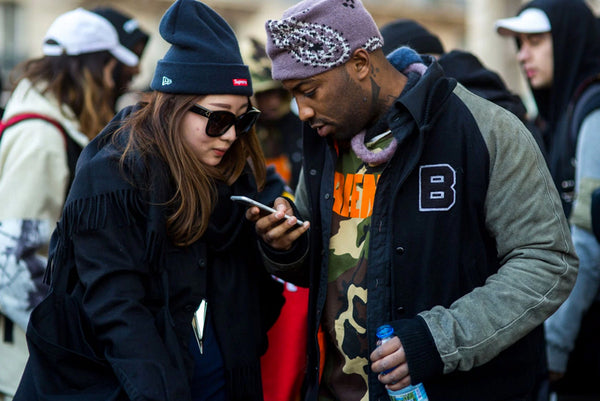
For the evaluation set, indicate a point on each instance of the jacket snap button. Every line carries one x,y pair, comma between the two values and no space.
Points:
400,250
313,171
202,262
327,196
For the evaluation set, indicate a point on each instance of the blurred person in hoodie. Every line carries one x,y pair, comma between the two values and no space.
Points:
278,128
559,46
133,37
462,65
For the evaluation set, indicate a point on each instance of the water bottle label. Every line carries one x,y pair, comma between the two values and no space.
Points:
410,393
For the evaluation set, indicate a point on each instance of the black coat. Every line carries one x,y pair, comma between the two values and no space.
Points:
137,292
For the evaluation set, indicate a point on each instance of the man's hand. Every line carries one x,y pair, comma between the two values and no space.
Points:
390,355
274,229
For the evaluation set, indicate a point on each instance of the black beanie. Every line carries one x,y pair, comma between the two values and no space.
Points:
204,57
130,33
406,32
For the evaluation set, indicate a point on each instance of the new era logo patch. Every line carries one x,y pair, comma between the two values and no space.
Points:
240,82
166,81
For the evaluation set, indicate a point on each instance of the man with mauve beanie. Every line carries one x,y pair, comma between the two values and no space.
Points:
431,210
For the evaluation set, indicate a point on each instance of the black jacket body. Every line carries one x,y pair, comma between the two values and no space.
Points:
137,292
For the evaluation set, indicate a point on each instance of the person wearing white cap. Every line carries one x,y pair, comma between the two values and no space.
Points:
533,30
133,37
60,102
559,48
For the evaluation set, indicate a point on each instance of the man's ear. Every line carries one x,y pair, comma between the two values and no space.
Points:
360,63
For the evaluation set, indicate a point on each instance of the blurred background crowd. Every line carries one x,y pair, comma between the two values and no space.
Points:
460,24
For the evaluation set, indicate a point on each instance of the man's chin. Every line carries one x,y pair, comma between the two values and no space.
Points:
344,136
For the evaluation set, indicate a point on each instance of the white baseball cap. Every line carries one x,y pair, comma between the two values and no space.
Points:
531,20
81,31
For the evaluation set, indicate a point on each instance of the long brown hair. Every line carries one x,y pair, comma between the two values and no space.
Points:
75,81
155,129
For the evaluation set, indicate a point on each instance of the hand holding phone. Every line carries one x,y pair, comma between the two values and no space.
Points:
252,202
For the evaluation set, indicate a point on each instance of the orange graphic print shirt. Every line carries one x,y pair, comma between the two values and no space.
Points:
344,318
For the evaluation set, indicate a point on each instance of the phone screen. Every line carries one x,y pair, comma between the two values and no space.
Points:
252,202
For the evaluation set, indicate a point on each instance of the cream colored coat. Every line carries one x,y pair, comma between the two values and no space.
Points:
34,175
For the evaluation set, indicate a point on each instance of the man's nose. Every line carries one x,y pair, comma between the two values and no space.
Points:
305,112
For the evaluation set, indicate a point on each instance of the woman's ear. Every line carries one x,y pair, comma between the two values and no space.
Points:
107,73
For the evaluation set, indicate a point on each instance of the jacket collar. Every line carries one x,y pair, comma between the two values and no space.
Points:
425,100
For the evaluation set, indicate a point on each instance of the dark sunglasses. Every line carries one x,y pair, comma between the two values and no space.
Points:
220,121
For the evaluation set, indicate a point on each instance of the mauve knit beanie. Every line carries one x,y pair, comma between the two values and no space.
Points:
315,36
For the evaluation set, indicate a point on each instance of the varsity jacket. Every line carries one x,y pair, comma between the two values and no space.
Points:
469,248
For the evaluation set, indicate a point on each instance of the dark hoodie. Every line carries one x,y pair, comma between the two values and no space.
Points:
458,64
465,67
470,72
576,45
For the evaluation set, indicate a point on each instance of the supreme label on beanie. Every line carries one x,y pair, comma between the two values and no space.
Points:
240,82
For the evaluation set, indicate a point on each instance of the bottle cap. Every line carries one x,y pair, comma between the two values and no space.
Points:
384,331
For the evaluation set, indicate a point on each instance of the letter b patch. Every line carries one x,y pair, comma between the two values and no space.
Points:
436,187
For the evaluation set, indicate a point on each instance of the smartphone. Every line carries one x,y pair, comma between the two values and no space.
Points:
252,202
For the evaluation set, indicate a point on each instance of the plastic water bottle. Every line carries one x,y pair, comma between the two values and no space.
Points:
410,393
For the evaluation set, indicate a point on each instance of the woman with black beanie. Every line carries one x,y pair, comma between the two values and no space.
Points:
158,289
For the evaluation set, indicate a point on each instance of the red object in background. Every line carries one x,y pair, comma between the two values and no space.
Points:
284,362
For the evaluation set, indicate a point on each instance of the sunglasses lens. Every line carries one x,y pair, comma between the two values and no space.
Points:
246,122
219,122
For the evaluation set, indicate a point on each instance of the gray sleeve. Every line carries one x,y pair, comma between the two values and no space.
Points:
562,327
538,261
588,170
